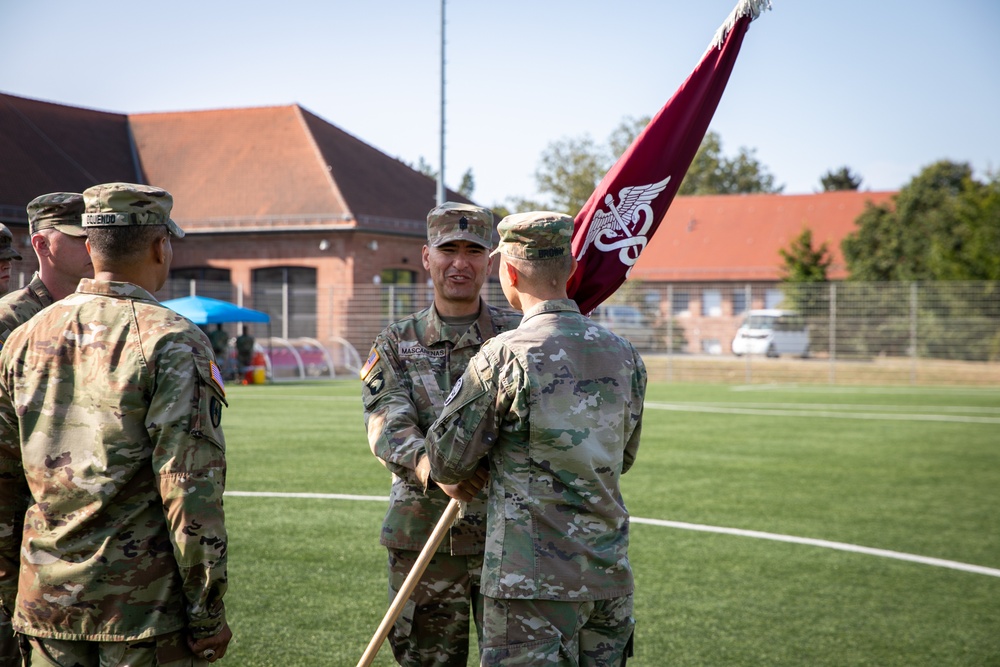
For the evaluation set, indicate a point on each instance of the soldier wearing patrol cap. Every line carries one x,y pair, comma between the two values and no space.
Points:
412,367
60,243
142,579
7,253
555,407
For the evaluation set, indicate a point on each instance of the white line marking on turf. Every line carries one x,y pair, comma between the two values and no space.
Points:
319,496
689,407
839,546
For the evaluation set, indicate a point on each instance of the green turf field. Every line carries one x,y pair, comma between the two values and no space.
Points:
913,471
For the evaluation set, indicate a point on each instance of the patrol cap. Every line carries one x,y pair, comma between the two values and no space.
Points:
122,204
57,210
452,221
536,235
7,250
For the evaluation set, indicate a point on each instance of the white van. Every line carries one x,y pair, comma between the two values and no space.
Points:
772,332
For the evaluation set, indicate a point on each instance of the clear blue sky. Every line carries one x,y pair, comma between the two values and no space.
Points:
884,87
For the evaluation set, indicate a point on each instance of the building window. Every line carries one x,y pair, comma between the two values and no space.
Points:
278,290
711,303
773,298
681,303
739,301
201,280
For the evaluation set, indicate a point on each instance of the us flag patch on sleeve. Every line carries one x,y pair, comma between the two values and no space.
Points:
370,364
217,377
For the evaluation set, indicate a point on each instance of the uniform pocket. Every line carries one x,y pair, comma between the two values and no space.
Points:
526,654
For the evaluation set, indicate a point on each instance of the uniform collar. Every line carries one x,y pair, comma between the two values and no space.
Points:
551,306
120,290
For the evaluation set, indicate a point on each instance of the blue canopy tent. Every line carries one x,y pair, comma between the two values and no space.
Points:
203,310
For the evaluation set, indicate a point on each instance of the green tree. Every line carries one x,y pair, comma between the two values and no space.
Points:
712,173
897,243
571,168
425,168
944,226
569,172
842,179
804,274
622,136
468,184
972,251
802,262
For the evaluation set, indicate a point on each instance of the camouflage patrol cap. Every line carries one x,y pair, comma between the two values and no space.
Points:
122,204
452,221
535,235
7,250
57,210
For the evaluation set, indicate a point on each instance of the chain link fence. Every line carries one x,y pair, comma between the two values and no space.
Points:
839,333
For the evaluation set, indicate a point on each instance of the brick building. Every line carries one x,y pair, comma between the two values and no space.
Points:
271,198
287,213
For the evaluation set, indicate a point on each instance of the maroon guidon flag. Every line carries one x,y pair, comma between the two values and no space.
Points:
626,208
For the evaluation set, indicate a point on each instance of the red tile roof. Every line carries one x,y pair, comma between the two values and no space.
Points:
236,163
271,168
275,167
737,237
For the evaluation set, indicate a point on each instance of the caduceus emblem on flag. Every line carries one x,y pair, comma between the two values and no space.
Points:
609,237
624,227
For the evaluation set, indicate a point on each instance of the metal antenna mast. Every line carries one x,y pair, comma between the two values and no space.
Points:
440,176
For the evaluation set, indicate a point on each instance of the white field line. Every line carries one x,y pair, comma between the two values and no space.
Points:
856,389
832,414
911,409
839,546
315,496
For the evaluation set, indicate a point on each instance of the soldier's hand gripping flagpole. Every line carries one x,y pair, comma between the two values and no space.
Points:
412,579
608,243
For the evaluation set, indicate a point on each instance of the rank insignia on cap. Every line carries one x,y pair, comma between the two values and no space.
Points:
369,365
463,223
217,377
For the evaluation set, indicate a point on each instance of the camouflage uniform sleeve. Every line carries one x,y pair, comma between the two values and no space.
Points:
184,423
391,418
468,426
13,498
638,398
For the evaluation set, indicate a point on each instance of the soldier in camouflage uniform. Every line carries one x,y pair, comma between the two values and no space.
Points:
59,241
555,407
7,253
412,367
110,411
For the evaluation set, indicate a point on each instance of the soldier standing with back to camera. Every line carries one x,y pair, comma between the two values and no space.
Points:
555,407
412,366
110,426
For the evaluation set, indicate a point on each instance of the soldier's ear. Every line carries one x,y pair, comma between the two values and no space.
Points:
510,269
40,243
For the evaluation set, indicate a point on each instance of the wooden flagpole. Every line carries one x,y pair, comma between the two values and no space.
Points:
412,579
